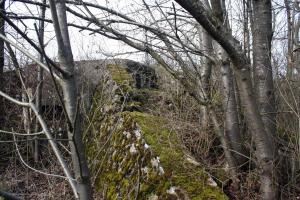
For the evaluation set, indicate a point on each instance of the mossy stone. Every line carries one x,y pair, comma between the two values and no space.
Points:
136,155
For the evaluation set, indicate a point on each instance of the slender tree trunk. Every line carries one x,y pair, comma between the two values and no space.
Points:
26,115
206,43
296,41
39,92
225,144
265,147
263,73
290,39
232,129
69,88
263,76
246,11
2,29
229,136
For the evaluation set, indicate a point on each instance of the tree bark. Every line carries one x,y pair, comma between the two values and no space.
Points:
263,77
69,88
265,148
225,144
39,92
2,29
296,42
206,69
290,39
262,68
232,129
246,12
230,135
26,115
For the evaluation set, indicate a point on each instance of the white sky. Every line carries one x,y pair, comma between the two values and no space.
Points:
86,46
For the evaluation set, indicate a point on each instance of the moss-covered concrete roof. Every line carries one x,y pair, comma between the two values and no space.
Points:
136,155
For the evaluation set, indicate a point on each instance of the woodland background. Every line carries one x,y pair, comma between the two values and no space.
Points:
222,76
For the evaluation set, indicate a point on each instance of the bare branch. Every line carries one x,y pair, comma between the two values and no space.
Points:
27,54
21,134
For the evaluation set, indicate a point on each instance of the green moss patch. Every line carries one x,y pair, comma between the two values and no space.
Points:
120,75
135,155
179,172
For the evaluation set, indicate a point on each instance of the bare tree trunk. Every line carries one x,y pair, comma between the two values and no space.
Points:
230,136
39,92
265,147
206,43
225,143
232,129
263,73
246,11
206,111
263,76
296,41
69,88
290,39
2,10
26,115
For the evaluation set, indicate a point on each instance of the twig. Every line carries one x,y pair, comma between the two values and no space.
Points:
28,166
50,138
33,45
22,134
8,195
26,53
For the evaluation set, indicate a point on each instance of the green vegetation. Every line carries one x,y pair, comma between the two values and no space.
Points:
178,171
120,75
135,155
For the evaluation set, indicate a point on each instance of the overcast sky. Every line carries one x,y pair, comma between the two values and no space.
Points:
87,46
84,45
